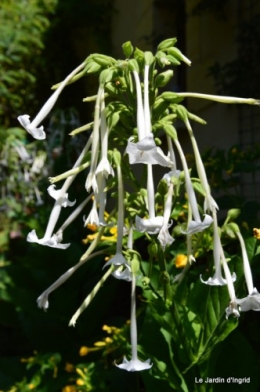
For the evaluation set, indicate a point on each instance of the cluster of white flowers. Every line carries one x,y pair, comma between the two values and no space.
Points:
140,147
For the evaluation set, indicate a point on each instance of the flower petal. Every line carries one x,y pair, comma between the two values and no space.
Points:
151,226
55,193
37,133
164,237
217,280
196,226
135,365
53,242
251,302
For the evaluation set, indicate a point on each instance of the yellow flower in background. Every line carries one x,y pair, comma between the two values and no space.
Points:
256,233
69,367
84,350
69,388
180,261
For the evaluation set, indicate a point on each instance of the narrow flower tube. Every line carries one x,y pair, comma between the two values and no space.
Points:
217,279
219,98
147,115
195,225
140,109
119,259
104,166
164,236
252,301
134,365
91,181
31,127
232,308
50,239
210,203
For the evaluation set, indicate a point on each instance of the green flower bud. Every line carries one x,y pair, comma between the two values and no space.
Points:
234,227
127,48
113,119
176,53
169,130
105,61
172,60
106,76
93,67
111,89
179,230
139,56
153,249
161,58
196,118
145,281
169,96
117,157
159,107
167,43
233,213
182,112
148,58
163,78
133,65
135,265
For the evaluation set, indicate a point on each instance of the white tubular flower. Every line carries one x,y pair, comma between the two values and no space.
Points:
23,153
221,99
140,109
209,203
31,127
252,301
49,238
53,242
146,151
134,365
55,193
91,181
164,236
217,279
196,225
232,308
151,226
92,218
119,260
104,166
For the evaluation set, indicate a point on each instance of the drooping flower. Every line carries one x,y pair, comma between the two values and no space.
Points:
164,236
196,225
31,127
55,193
54,241
93,215
146,151
134,365
252,301
217,279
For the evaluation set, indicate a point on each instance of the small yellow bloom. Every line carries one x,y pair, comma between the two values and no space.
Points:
180,261
107,328
69,388
113,230
31,386
99,344
69,367
256,233
84,350
92,227
108,340
80,382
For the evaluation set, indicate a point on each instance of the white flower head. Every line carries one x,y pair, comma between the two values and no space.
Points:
104,168
232,310
122,274
135,365
146,151
196,226
251,302
92,218
55,193
37,133
164,237
151,226
53,242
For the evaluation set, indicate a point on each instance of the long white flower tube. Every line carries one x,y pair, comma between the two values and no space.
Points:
195,225
119,259
217,279
91,181
219,98
252,301
50,239
31,127
134,364
140,109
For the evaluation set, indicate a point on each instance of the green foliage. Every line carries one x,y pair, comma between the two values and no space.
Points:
22,28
